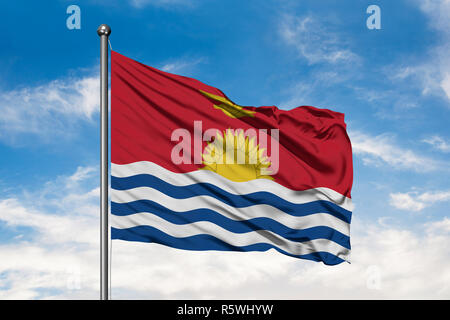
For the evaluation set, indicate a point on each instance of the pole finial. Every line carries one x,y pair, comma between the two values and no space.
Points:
104,30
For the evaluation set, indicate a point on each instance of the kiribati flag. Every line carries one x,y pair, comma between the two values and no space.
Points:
193,170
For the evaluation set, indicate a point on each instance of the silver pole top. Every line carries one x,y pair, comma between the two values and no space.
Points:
104,30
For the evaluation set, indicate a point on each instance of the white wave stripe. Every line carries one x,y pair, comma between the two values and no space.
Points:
235,239
206,176
255,211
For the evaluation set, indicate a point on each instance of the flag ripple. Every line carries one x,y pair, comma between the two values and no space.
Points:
152,204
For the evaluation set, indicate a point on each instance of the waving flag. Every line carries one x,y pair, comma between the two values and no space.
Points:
193,170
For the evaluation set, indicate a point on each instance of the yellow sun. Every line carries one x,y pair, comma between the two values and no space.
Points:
236,157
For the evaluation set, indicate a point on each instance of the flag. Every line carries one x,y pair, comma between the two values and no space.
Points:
193,170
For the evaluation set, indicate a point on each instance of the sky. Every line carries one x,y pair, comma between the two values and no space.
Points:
393,84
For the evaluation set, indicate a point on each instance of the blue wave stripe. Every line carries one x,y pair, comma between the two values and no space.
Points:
243,226
238,201
203,242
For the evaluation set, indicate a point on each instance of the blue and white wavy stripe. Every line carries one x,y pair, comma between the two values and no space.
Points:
203,211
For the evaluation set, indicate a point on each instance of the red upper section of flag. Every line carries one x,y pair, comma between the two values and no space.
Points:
147,105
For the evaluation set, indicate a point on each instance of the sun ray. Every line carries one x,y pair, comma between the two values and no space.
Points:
236,157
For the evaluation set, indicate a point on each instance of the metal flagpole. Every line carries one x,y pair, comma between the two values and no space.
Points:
104,31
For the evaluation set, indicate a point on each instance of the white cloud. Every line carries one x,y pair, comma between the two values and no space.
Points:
405,201
438,143
181,65
82,173
439,12
61,260
445,84
432,74
54,228
439,227
48,109
34,271
381,150
54,239
437,196
61,211
314,41
430,77
311,90
414,201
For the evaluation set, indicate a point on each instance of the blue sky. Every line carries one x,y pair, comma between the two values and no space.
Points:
392,84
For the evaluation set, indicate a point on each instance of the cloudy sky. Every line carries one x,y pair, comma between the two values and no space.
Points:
392,84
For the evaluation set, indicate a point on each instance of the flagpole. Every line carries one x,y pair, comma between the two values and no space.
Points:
104,31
